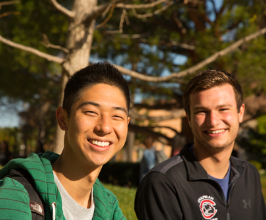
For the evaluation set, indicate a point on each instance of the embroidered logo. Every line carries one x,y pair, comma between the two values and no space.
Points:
247,204
207,207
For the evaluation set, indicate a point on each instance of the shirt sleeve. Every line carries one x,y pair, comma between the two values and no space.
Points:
156,199
14,200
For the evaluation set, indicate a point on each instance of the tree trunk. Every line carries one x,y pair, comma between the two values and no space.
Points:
42,129
79,41
131,134
129,146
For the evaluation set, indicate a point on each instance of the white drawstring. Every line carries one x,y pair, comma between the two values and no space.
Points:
53,206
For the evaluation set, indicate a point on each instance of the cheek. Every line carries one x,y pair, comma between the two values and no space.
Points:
121,131
198,121
229,118
79,125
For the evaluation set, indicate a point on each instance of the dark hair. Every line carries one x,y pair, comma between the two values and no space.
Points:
208,79
89,76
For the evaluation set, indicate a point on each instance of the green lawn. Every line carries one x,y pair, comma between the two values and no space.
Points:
125,198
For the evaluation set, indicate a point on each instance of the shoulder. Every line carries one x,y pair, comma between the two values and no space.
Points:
106,203
102,193
14,200
243,163
171,165
245,168
167,173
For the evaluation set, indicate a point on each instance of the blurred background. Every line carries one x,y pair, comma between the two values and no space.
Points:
157,44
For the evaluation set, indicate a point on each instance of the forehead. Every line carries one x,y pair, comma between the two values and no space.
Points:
218,95
102,93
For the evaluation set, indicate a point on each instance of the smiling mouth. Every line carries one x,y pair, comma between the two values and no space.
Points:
216,131
100,143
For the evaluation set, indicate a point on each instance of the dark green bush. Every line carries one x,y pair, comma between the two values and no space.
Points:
120,173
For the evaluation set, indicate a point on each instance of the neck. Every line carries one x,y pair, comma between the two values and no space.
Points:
76,178
216,164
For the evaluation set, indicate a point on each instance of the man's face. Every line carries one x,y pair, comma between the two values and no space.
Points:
214,118
97,127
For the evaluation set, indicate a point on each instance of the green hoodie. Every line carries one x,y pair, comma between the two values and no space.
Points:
14,199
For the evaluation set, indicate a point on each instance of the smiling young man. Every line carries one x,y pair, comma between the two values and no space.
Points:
204,181
95,119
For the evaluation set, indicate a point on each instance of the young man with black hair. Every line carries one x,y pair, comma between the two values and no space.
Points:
204,181
95,119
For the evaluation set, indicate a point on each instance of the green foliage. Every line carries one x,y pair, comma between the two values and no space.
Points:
262,125
26,73
12,136
125,197
257,164
258,140
254,141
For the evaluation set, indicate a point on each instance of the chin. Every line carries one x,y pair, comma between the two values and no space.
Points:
99,161
218,147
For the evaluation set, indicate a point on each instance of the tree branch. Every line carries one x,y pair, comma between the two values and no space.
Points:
168,43
171,44
179,24
123,16
32,50
8,13
174,114
108,18
194,68
152,14
64,10
98,11
47,44
140,6
8,3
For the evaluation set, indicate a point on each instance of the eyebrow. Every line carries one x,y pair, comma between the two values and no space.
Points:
219,106
98,105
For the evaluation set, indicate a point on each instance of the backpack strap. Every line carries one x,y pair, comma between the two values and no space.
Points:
36,204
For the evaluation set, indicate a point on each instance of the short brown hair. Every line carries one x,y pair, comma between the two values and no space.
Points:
208,79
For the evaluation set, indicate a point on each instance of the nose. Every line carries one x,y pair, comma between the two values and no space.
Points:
104,126
212,119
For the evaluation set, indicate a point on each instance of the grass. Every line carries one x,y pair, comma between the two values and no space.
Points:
125,198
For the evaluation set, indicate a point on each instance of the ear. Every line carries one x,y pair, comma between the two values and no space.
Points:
188,119
241,113
128,120
62,118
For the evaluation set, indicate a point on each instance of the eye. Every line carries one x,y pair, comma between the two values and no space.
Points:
91,113
224,109
118,117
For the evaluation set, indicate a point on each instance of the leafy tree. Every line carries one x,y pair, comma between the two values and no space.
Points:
146,37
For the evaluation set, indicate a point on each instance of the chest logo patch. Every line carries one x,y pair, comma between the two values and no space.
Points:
207,206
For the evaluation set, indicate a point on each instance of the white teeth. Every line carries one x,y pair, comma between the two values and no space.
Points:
100,143
216,131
